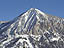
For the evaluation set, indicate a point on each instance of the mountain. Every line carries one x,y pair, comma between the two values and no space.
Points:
33,29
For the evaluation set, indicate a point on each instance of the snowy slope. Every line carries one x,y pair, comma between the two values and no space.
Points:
33,29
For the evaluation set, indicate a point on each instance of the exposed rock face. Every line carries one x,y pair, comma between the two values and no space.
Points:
33,29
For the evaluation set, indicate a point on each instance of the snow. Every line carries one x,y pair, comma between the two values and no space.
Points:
38,11
54,39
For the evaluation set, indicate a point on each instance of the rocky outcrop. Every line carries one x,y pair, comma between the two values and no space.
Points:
3,22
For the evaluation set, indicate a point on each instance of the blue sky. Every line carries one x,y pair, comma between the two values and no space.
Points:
10,9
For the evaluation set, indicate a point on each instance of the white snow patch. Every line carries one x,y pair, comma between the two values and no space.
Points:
54,39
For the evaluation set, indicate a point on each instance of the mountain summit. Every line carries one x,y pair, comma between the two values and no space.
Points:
23,23
33,29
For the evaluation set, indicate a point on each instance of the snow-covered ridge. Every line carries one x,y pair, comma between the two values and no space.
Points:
23,38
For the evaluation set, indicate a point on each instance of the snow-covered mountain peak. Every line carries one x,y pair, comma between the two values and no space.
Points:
33,12
37,11
33,29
